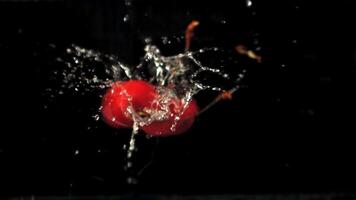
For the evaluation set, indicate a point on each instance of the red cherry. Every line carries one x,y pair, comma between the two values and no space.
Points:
115,105
142,96
115,101
163,128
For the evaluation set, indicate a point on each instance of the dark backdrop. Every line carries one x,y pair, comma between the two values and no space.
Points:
289,129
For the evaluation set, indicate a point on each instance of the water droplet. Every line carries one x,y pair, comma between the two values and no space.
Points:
129,164
248,3
126,18
128,3
131,180
148,40
96,117
165,40
310,112
76,152
59,59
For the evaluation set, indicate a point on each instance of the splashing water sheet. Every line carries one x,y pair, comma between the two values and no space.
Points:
175,77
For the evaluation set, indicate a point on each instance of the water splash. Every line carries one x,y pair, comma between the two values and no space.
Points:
175,77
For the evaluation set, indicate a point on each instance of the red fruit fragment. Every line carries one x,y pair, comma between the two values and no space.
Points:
163,128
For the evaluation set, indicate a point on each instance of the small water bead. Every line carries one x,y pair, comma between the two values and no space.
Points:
226,76
76,152
248,3
129,164
96,117
165,40
131,180
126,18
128,3
258,48
51,45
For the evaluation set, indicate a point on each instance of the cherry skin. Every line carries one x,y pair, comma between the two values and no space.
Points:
111,107
116,106
116,102
163,128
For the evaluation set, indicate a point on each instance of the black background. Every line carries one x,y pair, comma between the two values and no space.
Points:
289,129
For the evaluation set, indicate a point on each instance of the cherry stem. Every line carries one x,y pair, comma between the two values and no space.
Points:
240,49
189,33
222,96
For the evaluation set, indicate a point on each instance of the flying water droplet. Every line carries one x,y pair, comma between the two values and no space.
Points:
96,117
76,152
126,18
248,3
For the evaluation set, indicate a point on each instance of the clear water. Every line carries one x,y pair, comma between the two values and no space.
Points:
179,76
